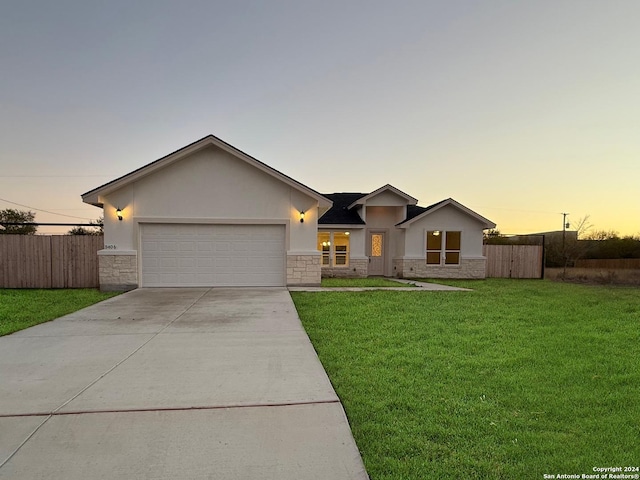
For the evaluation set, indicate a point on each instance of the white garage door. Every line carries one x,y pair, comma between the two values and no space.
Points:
186,255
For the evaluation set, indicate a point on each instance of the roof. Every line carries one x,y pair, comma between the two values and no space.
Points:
340,213
415,210
94,197
362,200
344,213
415,213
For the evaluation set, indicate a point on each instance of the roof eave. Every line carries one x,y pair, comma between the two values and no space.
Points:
341,226
92,199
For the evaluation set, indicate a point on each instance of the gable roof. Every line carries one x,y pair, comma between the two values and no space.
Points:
416,213
94,197
415,210
362,200
341,213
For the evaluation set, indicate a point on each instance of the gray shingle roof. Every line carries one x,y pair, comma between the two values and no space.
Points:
340,214
414,210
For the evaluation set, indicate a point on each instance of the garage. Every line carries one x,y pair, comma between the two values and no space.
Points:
212,255
208,214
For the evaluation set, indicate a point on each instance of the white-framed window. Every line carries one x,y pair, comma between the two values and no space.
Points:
443,247
335,248
324,245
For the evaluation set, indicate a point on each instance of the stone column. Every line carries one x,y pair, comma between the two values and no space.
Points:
118,270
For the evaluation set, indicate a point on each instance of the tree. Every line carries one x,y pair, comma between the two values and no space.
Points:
494,237
565,247
600,235
492,233
581,226
99,226
574,248
79,231
10,215
96,229
603,244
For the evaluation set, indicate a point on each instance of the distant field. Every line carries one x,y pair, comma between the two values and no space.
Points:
598,276
513,380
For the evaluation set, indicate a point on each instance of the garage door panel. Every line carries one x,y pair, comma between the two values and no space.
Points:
204,247
187,246
222,246
212,255
167,246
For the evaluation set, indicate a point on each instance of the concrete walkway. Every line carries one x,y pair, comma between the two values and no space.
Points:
172,383
412,286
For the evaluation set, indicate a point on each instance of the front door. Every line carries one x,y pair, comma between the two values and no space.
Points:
376,253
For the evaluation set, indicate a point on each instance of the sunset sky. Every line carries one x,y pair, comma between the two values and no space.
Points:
520,110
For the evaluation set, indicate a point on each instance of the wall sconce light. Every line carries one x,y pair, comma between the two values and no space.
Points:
436,233
302,216
119,214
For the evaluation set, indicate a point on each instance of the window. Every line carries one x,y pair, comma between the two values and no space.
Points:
436,239
376,244
335,248
324,245
434,247
452,248
341,253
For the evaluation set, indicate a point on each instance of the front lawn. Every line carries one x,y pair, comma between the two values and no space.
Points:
515,379
361,282
20,309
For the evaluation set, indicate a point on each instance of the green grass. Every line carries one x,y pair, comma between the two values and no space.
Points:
510,381
360,282
20,309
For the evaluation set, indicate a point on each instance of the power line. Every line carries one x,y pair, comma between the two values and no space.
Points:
53,176
41,210
37,224
513,209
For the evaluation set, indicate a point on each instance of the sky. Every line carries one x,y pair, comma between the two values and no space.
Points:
520,110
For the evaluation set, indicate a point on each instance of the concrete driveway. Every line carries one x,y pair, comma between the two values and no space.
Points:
172,383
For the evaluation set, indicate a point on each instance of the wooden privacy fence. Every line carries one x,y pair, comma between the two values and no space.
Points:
56,261
514,261
610,263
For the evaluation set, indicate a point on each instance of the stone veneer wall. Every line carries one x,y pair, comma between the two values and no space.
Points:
303,270
358,268
117,272
397,267
474,268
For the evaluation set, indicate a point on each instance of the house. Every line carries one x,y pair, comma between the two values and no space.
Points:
211,215
386,233
207,214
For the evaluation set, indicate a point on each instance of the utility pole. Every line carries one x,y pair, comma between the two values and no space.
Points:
565,225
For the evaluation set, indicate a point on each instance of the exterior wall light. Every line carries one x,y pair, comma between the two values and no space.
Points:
436,233
302,216
119,214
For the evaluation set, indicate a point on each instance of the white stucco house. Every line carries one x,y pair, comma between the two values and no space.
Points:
211,215
386,233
